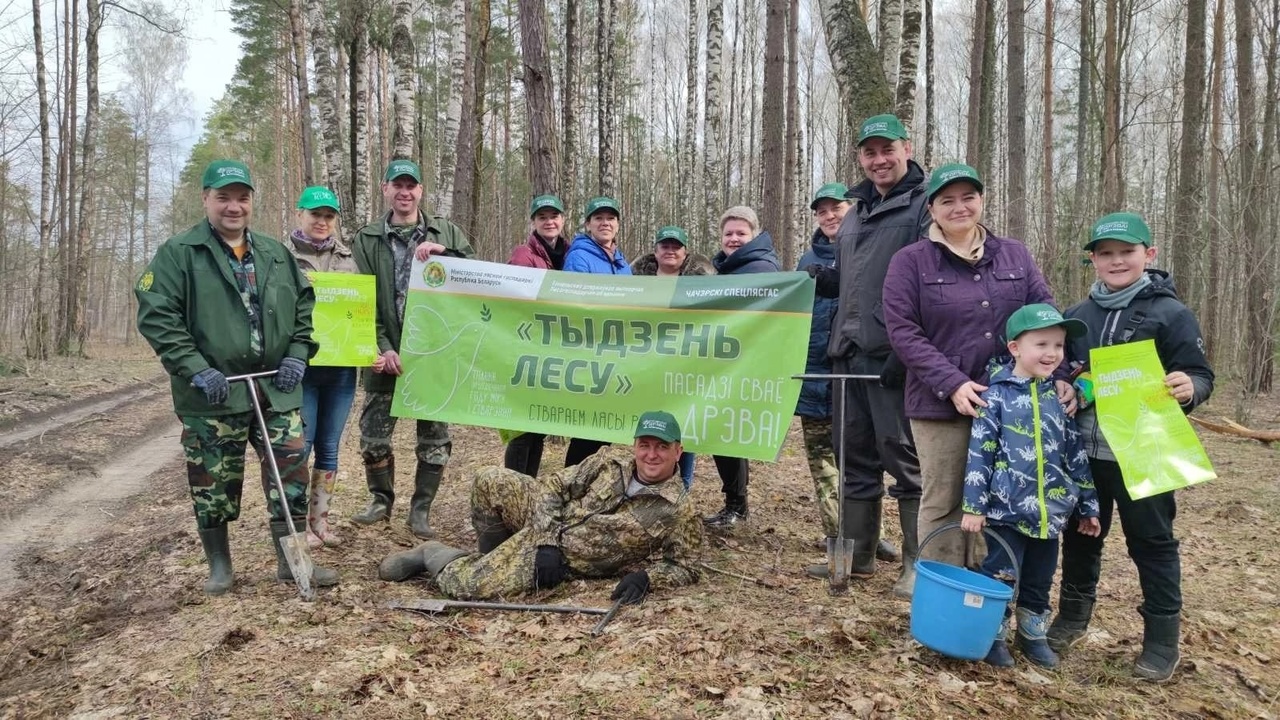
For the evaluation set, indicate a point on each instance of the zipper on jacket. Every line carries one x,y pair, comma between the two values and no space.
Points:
1039,440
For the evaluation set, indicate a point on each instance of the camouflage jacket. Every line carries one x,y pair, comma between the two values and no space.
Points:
585,510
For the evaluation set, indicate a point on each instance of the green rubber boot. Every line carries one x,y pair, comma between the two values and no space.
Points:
217,551
320,577
381,480
426,483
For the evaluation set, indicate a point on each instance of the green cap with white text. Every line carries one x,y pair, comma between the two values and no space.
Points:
1123,226
659,424
885,126
830,191
672,232
397,168
1039,316
596,204
318,197
952,173
543,202
221,173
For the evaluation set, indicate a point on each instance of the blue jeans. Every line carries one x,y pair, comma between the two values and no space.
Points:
327,394
686,468
1036,560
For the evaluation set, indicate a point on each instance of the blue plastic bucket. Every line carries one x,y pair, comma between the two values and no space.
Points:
954,611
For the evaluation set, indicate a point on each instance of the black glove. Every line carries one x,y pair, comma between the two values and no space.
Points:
827,278
894,373
548,567
289,374
213,383
632,588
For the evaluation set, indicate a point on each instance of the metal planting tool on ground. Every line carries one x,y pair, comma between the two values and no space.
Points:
433,606
294,545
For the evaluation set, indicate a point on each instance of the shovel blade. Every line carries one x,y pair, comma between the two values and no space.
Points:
839,565
298,557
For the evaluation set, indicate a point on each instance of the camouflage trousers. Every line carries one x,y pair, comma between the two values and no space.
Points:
215,447
500,498
822,466
377,424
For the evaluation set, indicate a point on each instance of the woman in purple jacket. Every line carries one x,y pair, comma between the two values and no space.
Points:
946,300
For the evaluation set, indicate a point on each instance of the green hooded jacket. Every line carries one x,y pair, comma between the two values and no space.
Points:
190,311
374,256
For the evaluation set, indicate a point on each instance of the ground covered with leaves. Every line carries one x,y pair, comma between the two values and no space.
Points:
113,623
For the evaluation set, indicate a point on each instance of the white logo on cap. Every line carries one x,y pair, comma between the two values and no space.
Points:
952,175
1047,315
401,169
654,425
875,127
1114,226
225,171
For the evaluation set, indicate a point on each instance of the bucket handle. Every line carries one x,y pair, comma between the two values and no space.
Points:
955,525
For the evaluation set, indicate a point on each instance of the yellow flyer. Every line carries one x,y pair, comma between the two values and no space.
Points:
344,319
1152,439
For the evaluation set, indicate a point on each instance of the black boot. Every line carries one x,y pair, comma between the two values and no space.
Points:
733,513
381,480
1160,655
217,551
490,532
320,577
862,524
1071,623
908,515
426,482
427,559
885,551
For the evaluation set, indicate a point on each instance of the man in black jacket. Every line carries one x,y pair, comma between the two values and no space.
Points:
888,213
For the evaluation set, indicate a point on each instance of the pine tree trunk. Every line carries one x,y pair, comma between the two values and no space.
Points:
539,97
1016,78
973,119
713,171
863,87
1259,308
908,64
1112,184
1047,246
328,106
569,106
607,10
786,242
930,95
37,331
298,31
1212,319
1186,216
1081,196
986,100
457,108
774,140
466,183
404,138
889,40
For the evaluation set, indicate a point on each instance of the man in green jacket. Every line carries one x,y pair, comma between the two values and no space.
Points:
385,248
219,300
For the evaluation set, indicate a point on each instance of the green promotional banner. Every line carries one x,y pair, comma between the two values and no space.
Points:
344,319
584,355
1152,439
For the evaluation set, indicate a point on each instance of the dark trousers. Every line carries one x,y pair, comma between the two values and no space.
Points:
1148,532
1035,559
733,480
524,453
876,435
580,449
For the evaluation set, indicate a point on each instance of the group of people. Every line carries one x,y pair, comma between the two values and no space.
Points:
971,406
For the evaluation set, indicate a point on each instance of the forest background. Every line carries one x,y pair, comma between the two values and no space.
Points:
679,108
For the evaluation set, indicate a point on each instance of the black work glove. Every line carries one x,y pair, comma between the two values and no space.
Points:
548,567
632,588
213,383
827,278
289,374
894,373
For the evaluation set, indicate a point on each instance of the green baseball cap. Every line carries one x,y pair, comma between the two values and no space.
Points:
830,191
596,204
318,197
951,173
545,201
403,167
1123,226
221,173
885,126
671,232
1040,316
659,424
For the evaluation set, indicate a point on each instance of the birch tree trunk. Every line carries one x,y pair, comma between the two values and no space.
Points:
359,119
471,130
77,324
715,181
570,106
1047,245
773,120
404,138
1212,318
1016,78
297,31
908,64
688,176
1084,91
539,97
1112,186
930,95
1186,215
607,9
889,40
1258,339
459,84
862,84
787,240
37,331
327,105
973,118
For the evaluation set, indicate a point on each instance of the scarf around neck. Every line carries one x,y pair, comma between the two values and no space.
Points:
303,242
1118,299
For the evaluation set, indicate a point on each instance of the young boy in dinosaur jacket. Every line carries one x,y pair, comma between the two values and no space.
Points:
1027,473
1131,302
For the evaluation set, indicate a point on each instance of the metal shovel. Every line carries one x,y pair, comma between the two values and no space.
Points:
294,545
434,606
839,548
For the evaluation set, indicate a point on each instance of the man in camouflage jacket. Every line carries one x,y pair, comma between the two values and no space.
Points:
593,520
